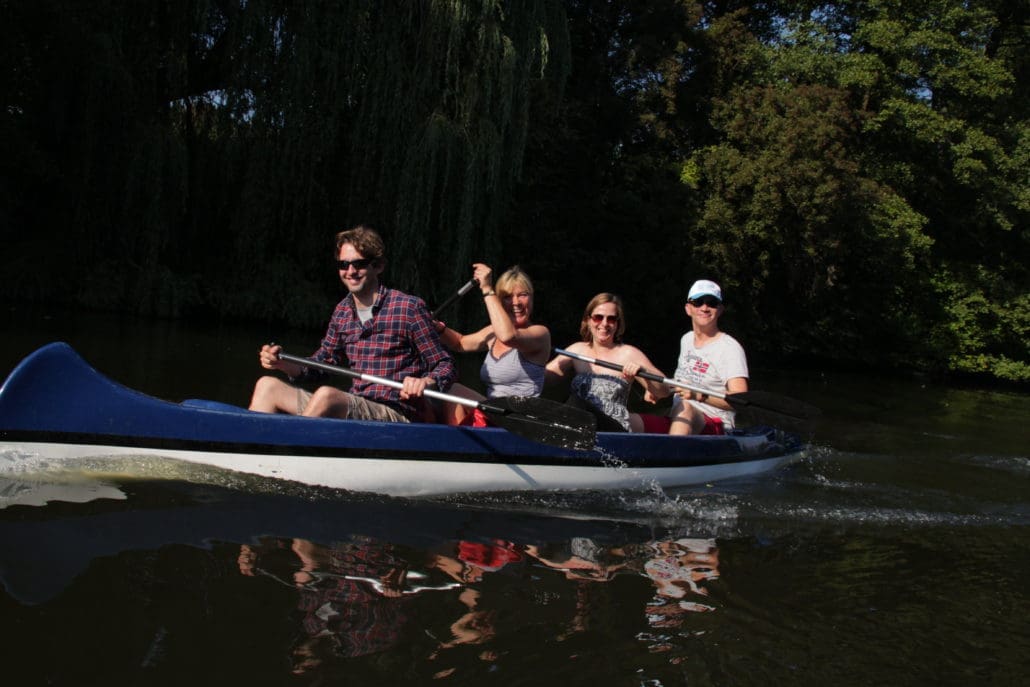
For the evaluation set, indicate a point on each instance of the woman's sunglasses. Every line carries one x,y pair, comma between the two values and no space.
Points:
359,264
610,319
710,301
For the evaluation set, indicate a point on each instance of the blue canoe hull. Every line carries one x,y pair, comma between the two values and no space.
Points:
56,405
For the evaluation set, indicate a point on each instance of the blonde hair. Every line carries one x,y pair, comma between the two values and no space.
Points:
601,299
511,279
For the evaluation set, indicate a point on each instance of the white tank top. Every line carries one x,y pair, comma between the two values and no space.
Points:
511,375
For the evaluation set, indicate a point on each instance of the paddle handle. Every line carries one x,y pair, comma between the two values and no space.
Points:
455,296
431,393
646,375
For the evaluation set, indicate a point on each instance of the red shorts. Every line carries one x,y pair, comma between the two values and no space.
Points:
713,425
656,424
659,424
477,418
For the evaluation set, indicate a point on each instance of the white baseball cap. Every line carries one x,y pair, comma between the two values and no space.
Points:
704,287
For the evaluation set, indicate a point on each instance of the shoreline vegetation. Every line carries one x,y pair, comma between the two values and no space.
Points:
854,175
38,317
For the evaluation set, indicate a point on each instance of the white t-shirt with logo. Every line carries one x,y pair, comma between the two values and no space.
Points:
709,368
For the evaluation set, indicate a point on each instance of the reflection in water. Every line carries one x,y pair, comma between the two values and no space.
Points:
352,598
678,566
259,582
356,597
679,570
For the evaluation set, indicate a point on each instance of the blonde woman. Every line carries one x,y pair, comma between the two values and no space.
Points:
516,349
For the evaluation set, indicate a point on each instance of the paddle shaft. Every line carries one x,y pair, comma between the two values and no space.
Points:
431,393
646,375
786,409
461,292
534,418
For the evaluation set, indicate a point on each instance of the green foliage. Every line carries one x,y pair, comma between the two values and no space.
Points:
857,151
690,173
855,174
987,325
788,217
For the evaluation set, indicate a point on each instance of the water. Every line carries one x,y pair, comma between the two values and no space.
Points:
895,553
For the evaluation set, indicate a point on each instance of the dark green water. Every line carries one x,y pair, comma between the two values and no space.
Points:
896,553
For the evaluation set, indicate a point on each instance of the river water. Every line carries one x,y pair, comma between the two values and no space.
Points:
896,553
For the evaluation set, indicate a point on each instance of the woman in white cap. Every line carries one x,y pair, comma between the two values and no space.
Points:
709,359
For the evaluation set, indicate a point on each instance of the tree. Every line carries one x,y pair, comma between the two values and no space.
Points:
870,143
208,150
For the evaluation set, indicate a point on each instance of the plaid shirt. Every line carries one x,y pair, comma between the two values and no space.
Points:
399,341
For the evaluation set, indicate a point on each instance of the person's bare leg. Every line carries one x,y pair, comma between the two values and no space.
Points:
328,401
688,421
273,395
679,427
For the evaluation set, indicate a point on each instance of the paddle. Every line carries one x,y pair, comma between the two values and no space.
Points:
538,419
790,410
461,292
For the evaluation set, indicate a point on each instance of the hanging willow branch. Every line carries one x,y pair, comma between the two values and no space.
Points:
211,148
409,115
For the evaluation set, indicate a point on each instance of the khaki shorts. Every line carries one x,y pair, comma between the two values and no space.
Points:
360,408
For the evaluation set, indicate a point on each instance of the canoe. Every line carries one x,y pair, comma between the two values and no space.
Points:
55,405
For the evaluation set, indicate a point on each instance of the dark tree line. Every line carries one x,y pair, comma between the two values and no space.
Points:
855,174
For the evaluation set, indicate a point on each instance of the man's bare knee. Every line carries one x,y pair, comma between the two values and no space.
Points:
264,397
327,401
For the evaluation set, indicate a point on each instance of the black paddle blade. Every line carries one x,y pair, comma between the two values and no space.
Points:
763,407
543,420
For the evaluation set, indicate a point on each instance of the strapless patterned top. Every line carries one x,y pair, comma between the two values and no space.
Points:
607,393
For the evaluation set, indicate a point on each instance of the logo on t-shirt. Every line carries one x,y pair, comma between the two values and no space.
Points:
692,368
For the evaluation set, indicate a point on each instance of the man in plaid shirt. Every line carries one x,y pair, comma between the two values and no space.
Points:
376,331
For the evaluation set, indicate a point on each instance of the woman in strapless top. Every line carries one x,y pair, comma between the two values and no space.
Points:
598,389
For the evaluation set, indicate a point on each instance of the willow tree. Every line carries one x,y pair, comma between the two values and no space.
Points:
408,115
206,150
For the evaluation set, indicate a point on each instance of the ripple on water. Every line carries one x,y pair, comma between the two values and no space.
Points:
1017,465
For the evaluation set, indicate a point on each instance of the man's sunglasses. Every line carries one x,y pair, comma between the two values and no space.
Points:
610,319
359,264
710,301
